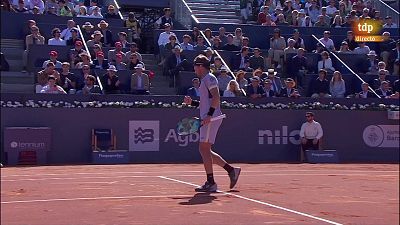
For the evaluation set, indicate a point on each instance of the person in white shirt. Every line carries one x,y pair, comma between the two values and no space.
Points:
389,23
326,62
66,33
310,134
163,39
327,41
96,12
56,40
331,8
52,87
232,90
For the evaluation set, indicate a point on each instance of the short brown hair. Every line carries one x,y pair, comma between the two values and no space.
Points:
202,60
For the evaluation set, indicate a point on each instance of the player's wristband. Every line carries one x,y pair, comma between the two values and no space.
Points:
195,103
211,111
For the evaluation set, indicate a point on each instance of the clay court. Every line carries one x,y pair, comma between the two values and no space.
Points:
281,194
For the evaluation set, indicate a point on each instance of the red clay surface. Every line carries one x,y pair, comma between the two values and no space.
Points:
163,194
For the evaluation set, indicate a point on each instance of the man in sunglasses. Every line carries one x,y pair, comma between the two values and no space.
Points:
310,134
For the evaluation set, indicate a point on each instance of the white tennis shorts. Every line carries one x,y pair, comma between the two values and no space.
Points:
208,132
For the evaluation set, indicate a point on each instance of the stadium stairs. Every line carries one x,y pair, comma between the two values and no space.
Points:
159,84
215,11
15,81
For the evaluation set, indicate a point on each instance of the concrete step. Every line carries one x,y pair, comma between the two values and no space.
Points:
214,2
194,6
215,11
15,65
220,15
17,88
148,57
12,43
12,53
8,77
219,21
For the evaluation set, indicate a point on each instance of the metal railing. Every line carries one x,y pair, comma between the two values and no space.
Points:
345,65
386,10
183,14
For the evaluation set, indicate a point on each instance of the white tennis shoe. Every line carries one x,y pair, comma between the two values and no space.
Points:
207,187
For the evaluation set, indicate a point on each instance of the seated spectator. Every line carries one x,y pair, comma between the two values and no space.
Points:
344,48
275,81
111,81
325,63
268,89
209,53
53,58
365,93
96,39
82,12
337,22
222,36
208,34
56,40
134,28
134,61
240,60
111,13
77,7
90,86
175,63
185,45
327,41
223,79
242,81
107,38
274,15
259,73
331,8
165,19
21,7
384,90
65,10
289,49
261,18
389,23
133,49
376,84
140,83
93,6
275,53
321,22
268,21
122,38
67,79
200,45
43,75
36,11
232,90
292,18
75,52
307,22
254,90
386,46
66,33
39,4
310,134
84,60
298,66
371,63
215,68
257,61
281,20
51,4
173,41
119,62
319,48
320,86
351,40
96,48
229,46
81,77
238,37
51,87
362,49
95,13
314,12
100,62
112,53
290,90
337,86
298,41
74,37
163,39
194,91
394,58
246,43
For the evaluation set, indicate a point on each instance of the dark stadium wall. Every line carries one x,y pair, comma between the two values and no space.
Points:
248,136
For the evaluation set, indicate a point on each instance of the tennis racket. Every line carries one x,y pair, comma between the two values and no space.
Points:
192,125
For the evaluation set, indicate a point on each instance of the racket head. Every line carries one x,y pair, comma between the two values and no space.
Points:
188,126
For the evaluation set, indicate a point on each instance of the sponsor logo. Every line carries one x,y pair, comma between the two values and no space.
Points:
382,136
182,141
118,156
367,30
28,145
144,135
277,137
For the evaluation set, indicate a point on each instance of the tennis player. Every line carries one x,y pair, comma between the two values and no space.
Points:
209,107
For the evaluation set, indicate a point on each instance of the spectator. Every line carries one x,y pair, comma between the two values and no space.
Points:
344,48
165,19
56,40
244,10
313,11
35,11
326,62
292,18
331,8
376,83
298,41
319,49
107,38
389,23
257,61
209,53
365,93
74,37
122,36
81,76
275,53
112,53
215,68
84,60
78,6
371,63
37,3
384,90
96,39
298,66
259,73
261,18
233,90
134,28
268,89
75,52
90,86
289,50
95,13
4,64
134,61
238,38
53,58
337,86
223,80
195,33
200,46
32,39
395,58
325,15
254,90
100,62
239,61
288,9
175,63
229,46
111,81
64,9
320,86
321,22
119,62
281,20
163,39
87,31
362,49
268,21
327,41
171,44
51,11
96,48
246,43
222,36
208,34
111,13
310,134
242,81
133,50
275,80
351,41
337,22
185,45
385,47
66,33
342,9
290,90
43,75
67,79
194,91
140,83
21,7
307,22
51,87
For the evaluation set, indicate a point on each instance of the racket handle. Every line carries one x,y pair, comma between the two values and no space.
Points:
220,117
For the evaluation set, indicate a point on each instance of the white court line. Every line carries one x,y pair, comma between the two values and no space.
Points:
196,175
259,202
98,198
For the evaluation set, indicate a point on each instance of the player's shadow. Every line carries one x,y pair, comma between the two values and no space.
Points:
199,198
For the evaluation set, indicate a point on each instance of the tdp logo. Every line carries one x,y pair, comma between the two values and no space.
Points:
143,135
367,30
